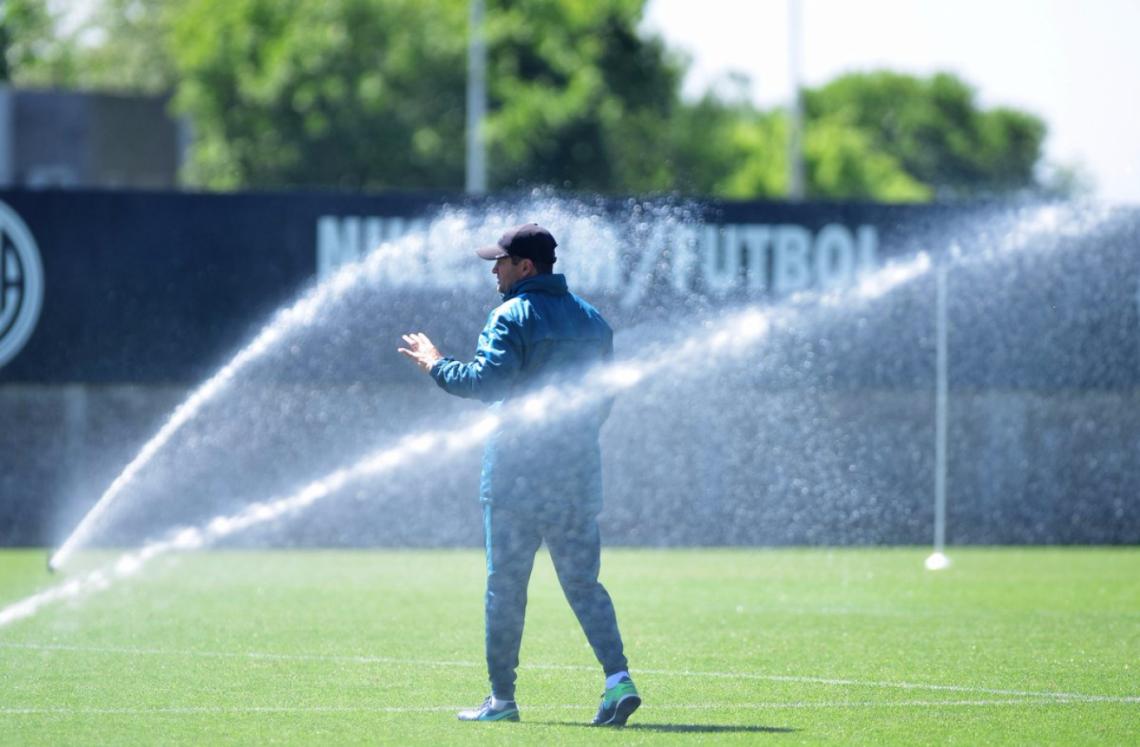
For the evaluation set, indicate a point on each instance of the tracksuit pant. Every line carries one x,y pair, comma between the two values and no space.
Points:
513,536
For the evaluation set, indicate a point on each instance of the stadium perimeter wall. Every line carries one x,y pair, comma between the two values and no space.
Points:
143,295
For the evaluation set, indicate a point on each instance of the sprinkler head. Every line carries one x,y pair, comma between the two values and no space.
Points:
937,562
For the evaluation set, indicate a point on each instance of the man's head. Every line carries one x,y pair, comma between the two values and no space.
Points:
522,252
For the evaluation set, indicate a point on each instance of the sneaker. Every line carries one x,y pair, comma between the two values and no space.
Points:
510,712
618,703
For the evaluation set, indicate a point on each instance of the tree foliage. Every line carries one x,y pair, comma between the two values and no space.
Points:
843,163
935,130
577,97
133,52
348,93
371,94
735,151
30,52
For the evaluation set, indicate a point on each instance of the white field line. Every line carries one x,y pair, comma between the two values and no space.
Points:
835,682
192,710
1074,697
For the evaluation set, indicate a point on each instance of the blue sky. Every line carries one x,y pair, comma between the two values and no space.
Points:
1075,64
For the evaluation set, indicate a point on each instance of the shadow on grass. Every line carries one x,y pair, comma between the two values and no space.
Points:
678,728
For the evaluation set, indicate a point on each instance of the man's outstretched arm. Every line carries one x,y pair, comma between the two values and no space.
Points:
488,377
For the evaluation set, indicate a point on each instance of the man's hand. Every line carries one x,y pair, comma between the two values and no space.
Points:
421,350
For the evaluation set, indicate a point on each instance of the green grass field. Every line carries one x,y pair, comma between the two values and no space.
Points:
1008,646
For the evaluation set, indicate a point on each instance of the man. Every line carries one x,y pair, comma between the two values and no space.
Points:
540,480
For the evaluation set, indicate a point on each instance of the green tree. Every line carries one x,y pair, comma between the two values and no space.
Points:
578,97
843,163
935,129
31,50
725,147
371,93
134,51
349,93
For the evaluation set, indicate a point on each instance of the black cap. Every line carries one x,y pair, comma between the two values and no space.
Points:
528,241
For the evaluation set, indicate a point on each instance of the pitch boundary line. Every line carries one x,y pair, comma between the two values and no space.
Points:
837,682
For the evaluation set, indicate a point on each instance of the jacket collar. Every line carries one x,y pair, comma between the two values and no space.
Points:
552,284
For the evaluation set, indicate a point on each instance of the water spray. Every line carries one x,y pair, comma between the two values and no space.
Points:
287,321
735,335
1028,229
284,324
1041,222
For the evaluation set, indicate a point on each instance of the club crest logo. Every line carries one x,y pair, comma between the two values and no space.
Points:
21,284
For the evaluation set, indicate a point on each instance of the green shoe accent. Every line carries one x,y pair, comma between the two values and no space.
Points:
507,714
617,692
618,703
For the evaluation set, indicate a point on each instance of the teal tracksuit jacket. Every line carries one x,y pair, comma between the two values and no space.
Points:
542,334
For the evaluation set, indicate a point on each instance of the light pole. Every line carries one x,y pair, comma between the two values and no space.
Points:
796,115
476,100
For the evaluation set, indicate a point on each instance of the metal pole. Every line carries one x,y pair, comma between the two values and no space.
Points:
796,114
7,171
476,100
938,559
